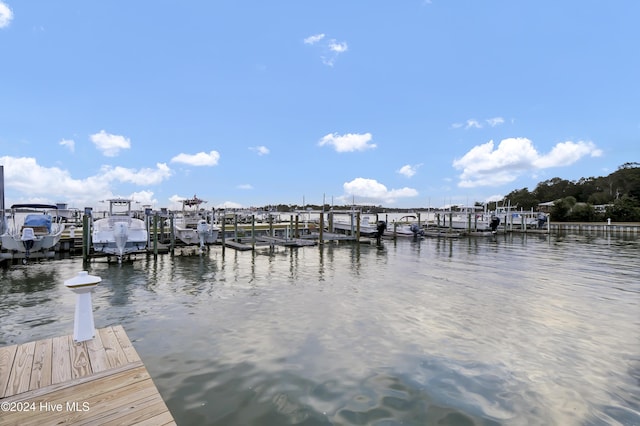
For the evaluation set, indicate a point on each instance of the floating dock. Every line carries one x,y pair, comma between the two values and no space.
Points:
98,381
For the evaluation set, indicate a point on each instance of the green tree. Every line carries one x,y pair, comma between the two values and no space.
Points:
625,209
562,208
582,212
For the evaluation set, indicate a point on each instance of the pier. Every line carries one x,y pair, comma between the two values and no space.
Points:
98,381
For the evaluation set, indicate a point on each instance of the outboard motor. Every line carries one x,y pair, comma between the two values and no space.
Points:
542,219
495,221
120,235
416,230
203,230
28,238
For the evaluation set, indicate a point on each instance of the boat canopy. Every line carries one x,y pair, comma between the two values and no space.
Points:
34,206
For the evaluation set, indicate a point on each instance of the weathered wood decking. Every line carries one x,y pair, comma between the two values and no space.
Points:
57,381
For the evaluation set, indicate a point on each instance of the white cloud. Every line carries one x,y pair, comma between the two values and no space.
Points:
495,121
566,153
260,150
78,192
229,205
245,186
199,159
143,198
138,177
370,190
330,49
473,123
69,143
485,166
494,198
338,47
31,183
313,39
349,142
409,170
6,15
109,144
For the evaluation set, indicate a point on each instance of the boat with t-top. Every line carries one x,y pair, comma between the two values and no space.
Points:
191,226
119,233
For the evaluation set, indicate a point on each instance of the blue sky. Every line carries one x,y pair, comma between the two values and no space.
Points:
408,103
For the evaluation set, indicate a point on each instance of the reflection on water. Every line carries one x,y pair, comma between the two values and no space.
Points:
522,329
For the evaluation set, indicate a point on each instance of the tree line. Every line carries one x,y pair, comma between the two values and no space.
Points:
615,197
591,199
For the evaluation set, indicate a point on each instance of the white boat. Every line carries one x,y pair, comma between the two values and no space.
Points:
32,228
191,227
511,218
119,233
349,225
466,220
407,226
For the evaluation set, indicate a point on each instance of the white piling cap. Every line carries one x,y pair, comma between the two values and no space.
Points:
83,279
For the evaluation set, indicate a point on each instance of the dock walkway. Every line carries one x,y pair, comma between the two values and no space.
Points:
99,381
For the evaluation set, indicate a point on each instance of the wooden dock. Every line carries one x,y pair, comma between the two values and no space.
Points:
99,381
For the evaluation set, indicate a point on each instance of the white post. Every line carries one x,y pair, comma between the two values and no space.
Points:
82,285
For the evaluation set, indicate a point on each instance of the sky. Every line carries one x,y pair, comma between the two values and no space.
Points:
403,103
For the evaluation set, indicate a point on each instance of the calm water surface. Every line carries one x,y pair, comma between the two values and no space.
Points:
513,330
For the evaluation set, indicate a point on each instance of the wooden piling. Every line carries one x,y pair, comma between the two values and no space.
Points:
86,231
155,235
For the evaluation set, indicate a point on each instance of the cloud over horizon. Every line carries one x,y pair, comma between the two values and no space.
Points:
485,166
373,191
86,191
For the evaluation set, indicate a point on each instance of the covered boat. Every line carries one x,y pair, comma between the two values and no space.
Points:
32,228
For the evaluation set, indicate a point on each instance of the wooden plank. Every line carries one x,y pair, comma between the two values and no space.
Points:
125,394
108,404
7,355
125,344
41,370
21,370
80,364
115,354
135,411
97,394
39,393
61,360
163,419
97,354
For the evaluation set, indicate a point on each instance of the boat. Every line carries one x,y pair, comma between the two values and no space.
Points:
466,219
32,228
191,227
512,218
349,225
119,233
406,226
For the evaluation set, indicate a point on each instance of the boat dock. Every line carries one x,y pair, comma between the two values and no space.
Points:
98,381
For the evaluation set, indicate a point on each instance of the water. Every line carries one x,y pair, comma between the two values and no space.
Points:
513,330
